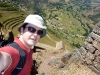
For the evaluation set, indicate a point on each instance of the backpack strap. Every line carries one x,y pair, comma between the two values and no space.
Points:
3,43
22,60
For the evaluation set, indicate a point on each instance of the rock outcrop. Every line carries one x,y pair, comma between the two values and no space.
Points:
88,54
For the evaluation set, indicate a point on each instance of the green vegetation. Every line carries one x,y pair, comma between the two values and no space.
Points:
10,16
64,21
95,18
68,21
12,19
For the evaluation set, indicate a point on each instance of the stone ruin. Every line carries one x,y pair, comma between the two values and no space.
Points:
60,46
88,53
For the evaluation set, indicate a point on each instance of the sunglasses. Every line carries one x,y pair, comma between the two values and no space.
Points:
33,30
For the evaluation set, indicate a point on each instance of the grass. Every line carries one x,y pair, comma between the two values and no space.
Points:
71,25
10,19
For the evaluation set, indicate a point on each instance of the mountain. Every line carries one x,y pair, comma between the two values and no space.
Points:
68,20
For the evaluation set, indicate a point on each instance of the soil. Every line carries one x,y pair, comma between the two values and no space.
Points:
44,56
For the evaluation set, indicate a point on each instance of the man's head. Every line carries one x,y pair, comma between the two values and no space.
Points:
35,20
32,29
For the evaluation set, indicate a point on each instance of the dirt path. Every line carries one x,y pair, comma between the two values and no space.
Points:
46,57
43,57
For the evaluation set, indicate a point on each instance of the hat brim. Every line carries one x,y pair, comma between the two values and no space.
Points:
44,29
44,33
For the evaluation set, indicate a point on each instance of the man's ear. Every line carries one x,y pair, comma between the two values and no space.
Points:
21,30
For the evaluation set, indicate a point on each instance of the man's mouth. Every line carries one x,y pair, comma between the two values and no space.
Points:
33,39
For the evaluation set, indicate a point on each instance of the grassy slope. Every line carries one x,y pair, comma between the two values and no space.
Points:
73,26
70,24
6,19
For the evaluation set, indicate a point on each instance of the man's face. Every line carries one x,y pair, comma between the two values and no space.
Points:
31,34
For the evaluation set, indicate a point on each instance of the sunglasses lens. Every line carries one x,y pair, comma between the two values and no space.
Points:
32,30
40,32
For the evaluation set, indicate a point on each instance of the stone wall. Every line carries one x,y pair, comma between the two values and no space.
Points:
60,45
90,51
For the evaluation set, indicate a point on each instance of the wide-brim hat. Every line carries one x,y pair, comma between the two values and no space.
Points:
35,20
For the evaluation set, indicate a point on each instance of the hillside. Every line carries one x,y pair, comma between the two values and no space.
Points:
81,61
67,20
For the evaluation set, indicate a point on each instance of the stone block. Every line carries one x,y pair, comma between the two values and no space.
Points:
96,44
60,45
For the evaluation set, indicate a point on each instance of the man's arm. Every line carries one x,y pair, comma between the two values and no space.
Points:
5,61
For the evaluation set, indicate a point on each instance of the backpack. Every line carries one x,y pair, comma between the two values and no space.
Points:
22,60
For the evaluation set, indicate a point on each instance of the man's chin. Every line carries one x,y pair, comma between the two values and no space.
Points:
32,44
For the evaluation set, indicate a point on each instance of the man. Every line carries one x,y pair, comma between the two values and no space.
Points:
31,31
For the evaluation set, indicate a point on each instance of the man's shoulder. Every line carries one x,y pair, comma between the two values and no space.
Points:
10,50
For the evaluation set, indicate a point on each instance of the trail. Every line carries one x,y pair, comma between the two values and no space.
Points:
51,38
